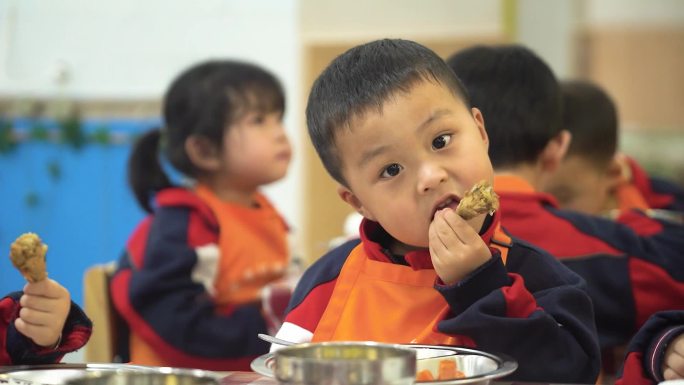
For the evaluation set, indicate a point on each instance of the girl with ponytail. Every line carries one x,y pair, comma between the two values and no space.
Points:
189,282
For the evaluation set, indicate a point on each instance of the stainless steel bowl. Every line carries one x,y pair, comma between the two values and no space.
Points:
479,367
345,363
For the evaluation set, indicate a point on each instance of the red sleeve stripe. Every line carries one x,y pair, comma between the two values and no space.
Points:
519,301
138,242
633,372
309,312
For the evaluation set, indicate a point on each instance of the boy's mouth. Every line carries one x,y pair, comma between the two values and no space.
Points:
449,201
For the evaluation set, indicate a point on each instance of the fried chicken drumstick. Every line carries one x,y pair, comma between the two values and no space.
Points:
28,255
480,199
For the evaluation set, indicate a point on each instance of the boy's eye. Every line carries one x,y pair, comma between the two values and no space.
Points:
391,170
441,141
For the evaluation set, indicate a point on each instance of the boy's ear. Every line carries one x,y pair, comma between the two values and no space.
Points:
204,154
615,173
479,121
351,199
555,151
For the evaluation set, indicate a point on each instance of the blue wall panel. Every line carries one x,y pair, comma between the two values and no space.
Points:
77,200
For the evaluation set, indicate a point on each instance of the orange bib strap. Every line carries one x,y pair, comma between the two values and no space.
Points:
344,285
502,242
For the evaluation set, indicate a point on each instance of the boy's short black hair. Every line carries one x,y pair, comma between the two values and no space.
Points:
518,95
363,79
591,117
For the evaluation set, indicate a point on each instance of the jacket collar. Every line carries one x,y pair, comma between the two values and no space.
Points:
511,186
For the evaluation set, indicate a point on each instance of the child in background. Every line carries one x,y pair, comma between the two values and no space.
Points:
189,282
594,178
588,176
656,353
633,266
40,325
393,126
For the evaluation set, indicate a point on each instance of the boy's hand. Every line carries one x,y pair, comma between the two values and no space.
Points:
456,249
45,306
673,367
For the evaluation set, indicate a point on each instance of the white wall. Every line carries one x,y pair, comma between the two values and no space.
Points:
547,27
635,12
131,49
363,20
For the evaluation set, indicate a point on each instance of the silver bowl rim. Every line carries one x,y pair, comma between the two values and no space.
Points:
74,366
105,369
306,345
506,364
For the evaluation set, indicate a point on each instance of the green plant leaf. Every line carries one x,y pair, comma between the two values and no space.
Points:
101,135
72,132
39,132
7,140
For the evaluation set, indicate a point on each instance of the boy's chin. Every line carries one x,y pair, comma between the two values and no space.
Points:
401,248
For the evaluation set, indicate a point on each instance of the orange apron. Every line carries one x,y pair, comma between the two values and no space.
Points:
387,302
253,245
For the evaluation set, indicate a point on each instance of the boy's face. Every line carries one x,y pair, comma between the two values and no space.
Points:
424,150
580,185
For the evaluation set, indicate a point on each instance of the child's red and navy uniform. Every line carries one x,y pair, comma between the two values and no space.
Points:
634,266
646,352
188,285
522,303
17,349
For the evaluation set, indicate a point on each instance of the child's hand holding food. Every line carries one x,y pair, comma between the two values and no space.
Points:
455,247
45,306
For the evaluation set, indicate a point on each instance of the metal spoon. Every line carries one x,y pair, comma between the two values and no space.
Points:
274,340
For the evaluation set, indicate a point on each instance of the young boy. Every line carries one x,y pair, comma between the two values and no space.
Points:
393,125
632,270
594,178
40,325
